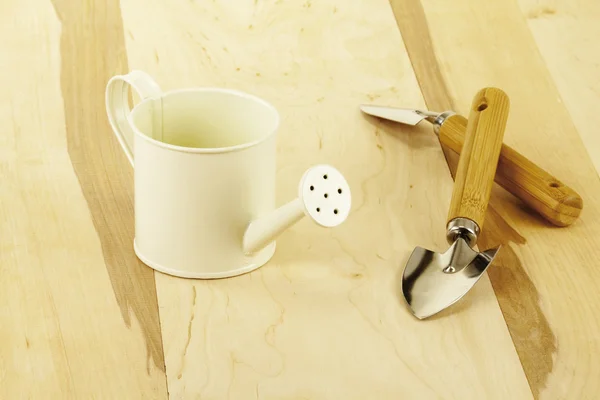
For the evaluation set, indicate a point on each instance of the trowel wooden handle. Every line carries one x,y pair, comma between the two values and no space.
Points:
553,200
479,157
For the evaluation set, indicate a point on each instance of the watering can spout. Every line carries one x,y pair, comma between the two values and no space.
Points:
323,195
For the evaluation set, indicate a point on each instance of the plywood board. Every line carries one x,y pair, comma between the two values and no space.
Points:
324,319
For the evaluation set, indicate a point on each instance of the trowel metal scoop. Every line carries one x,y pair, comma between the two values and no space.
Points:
434,281
553,200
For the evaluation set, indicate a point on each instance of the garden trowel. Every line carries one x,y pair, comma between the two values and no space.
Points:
434,281
556,202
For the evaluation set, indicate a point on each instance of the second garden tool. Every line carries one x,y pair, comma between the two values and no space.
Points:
553,200
434,281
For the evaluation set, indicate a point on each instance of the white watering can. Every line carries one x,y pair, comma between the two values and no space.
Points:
205,164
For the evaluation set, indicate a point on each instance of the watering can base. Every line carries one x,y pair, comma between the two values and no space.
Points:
249,264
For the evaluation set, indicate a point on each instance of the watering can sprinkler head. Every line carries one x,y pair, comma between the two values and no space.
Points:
323,195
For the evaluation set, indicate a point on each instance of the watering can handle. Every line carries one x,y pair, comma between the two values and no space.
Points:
117,104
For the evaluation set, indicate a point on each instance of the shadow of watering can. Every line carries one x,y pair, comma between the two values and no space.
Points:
205,174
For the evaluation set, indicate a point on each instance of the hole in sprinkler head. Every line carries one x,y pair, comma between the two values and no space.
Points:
482,107
325,176
335,211
340,191
554,184
318,209
312,188
325,195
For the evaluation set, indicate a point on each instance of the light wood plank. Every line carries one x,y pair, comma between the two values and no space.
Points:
557,337
567,34
325,318
63,334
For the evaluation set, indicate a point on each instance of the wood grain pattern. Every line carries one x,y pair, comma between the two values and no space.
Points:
558,261
325,318
555,201
104,174
566,34
479,156
64,334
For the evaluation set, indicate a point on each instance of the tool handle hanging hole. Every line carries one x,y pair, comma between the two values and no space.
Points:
554,184
482,107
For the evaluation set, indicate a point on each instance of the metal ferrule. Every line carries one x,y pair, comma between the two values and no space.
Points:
464,228
439,120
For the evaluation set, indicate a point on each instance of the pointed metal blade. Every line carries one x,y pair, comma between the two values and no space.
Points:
406,116
434,281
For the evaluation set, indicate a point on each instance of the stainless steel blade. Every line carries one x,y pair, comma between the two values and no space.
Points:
408,116
433,281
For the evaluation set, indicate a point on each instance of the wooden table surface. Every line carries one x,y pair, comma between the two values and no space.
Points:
81,317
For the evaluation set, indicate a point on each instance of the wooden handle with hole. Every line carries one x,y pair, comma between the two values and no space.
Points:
553,200
479,157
